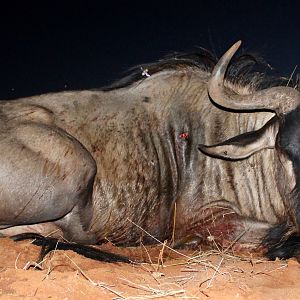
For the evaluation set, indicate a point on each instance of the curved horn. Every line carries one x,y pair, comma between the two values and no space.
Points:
279,99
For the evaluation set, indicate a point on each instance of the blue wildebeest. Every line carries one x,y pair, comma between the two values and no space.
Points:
99,165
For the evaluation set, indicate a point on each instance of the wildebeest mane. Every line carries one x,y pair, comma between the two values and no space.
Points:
248,69
201,59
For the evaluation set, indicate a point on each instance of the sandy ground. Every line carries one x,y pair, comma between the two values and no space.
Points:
207,275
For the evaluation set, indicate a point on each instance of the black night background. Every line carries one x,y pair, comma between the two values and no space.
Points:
54,46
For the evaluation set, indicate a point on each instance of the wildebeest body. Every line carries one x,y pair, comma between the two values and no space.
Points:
96,163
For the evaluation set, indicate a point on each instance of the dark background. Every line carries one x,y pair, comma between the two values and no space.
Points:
53,46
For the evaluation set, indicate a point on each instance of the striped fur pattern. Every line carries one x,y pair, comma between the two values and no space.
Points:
133,146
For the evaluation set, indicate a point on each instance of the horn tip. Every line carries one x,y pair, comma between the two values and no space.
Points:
236,45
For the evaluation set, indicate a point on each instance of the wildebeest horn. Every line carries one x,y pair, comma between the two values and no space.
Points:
279,99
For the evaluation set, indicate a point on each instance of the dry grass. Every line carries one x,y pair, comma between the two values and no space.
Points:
291,76
204,270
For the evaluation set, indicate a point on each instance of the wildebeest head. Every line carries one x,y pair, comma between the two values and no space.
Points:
282,131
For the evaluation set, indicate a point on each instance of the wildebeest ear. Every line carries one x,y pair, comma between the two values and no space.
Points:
246,144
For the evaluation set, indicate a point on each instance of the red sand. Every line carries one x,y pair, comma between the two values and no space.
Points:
66,275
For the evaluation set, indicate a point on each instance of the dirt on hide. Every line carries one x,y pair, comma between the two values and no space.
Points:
166,275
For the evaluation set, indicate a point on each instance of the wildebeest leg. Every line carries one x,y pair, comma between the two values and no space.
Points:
46,175
74,224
